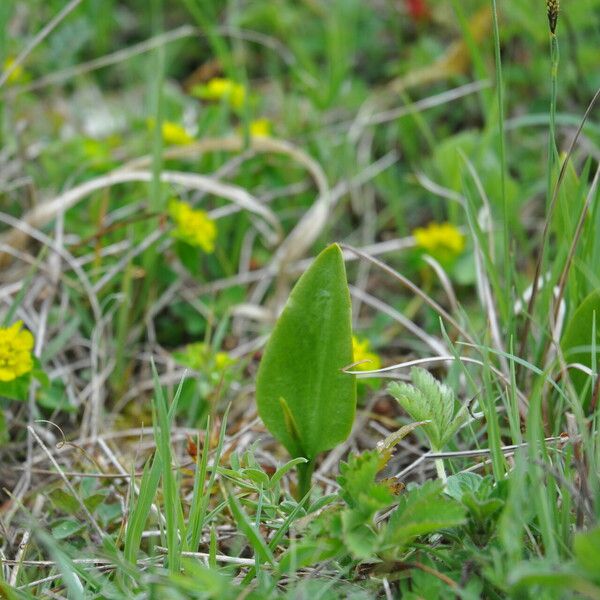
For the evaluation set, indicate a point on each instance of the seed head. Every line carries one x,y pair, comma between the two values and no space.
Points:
553,7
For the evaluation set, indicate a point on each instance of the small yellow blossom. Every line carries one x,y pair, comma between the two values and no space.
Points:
362,352
18,75
222,89
175,135
260,127
200,357
193,226
15,351
442,240
223,360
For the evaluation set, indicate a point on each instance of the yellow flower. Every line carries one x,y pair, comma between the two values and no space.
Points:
222,89
200,357
362,352
223,360
192,226
260,127
175,135
18,75
15,351
442,240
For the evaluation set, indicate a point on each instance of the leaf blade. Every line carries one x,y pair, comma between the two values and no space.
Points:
303,362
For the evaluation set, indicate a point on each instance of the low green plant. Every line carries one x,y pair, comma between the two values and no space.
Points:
303,397
356,530
435,403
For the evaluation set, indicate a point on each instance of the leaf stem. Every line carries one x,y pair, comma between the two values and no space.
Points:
305,471
441,470
502,151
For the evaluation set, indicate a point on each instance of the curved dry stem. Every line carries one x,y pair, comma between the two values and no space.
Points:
44,213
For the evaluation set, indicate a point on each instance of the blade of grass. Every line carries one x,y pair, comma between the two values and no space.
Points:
142,504
201,493
172,503
508,275
260,547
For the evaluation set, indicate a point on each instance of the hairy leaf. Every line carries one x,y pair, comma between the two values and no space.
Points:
429,400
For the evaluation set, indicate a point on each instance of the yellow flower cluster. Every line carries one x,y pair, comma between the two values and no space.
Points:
174,134
362,352
18,75
219,89
15,351
200,357
193,226
442,240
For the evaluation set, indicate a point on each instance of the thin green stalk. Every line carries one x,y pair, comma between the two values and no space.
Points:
5,14
123,326
552,190
202,492
305,471
156,199
552,148
441,470
502,151
543,496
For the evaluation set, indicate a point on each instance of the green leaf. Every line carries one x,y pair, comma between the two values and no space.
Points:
359,537
577,340
262,550
17,389
276,478
140,506
303,397
257,476
459,484
94,501
422,510
481,509
309,552
546,574
64,501
432,404
587,550
66,528
358,486
171,497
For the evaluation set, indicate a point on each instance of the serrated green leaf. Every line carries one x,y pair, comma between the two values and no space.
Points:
433,402
457,485
421,511
358,486
303,362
